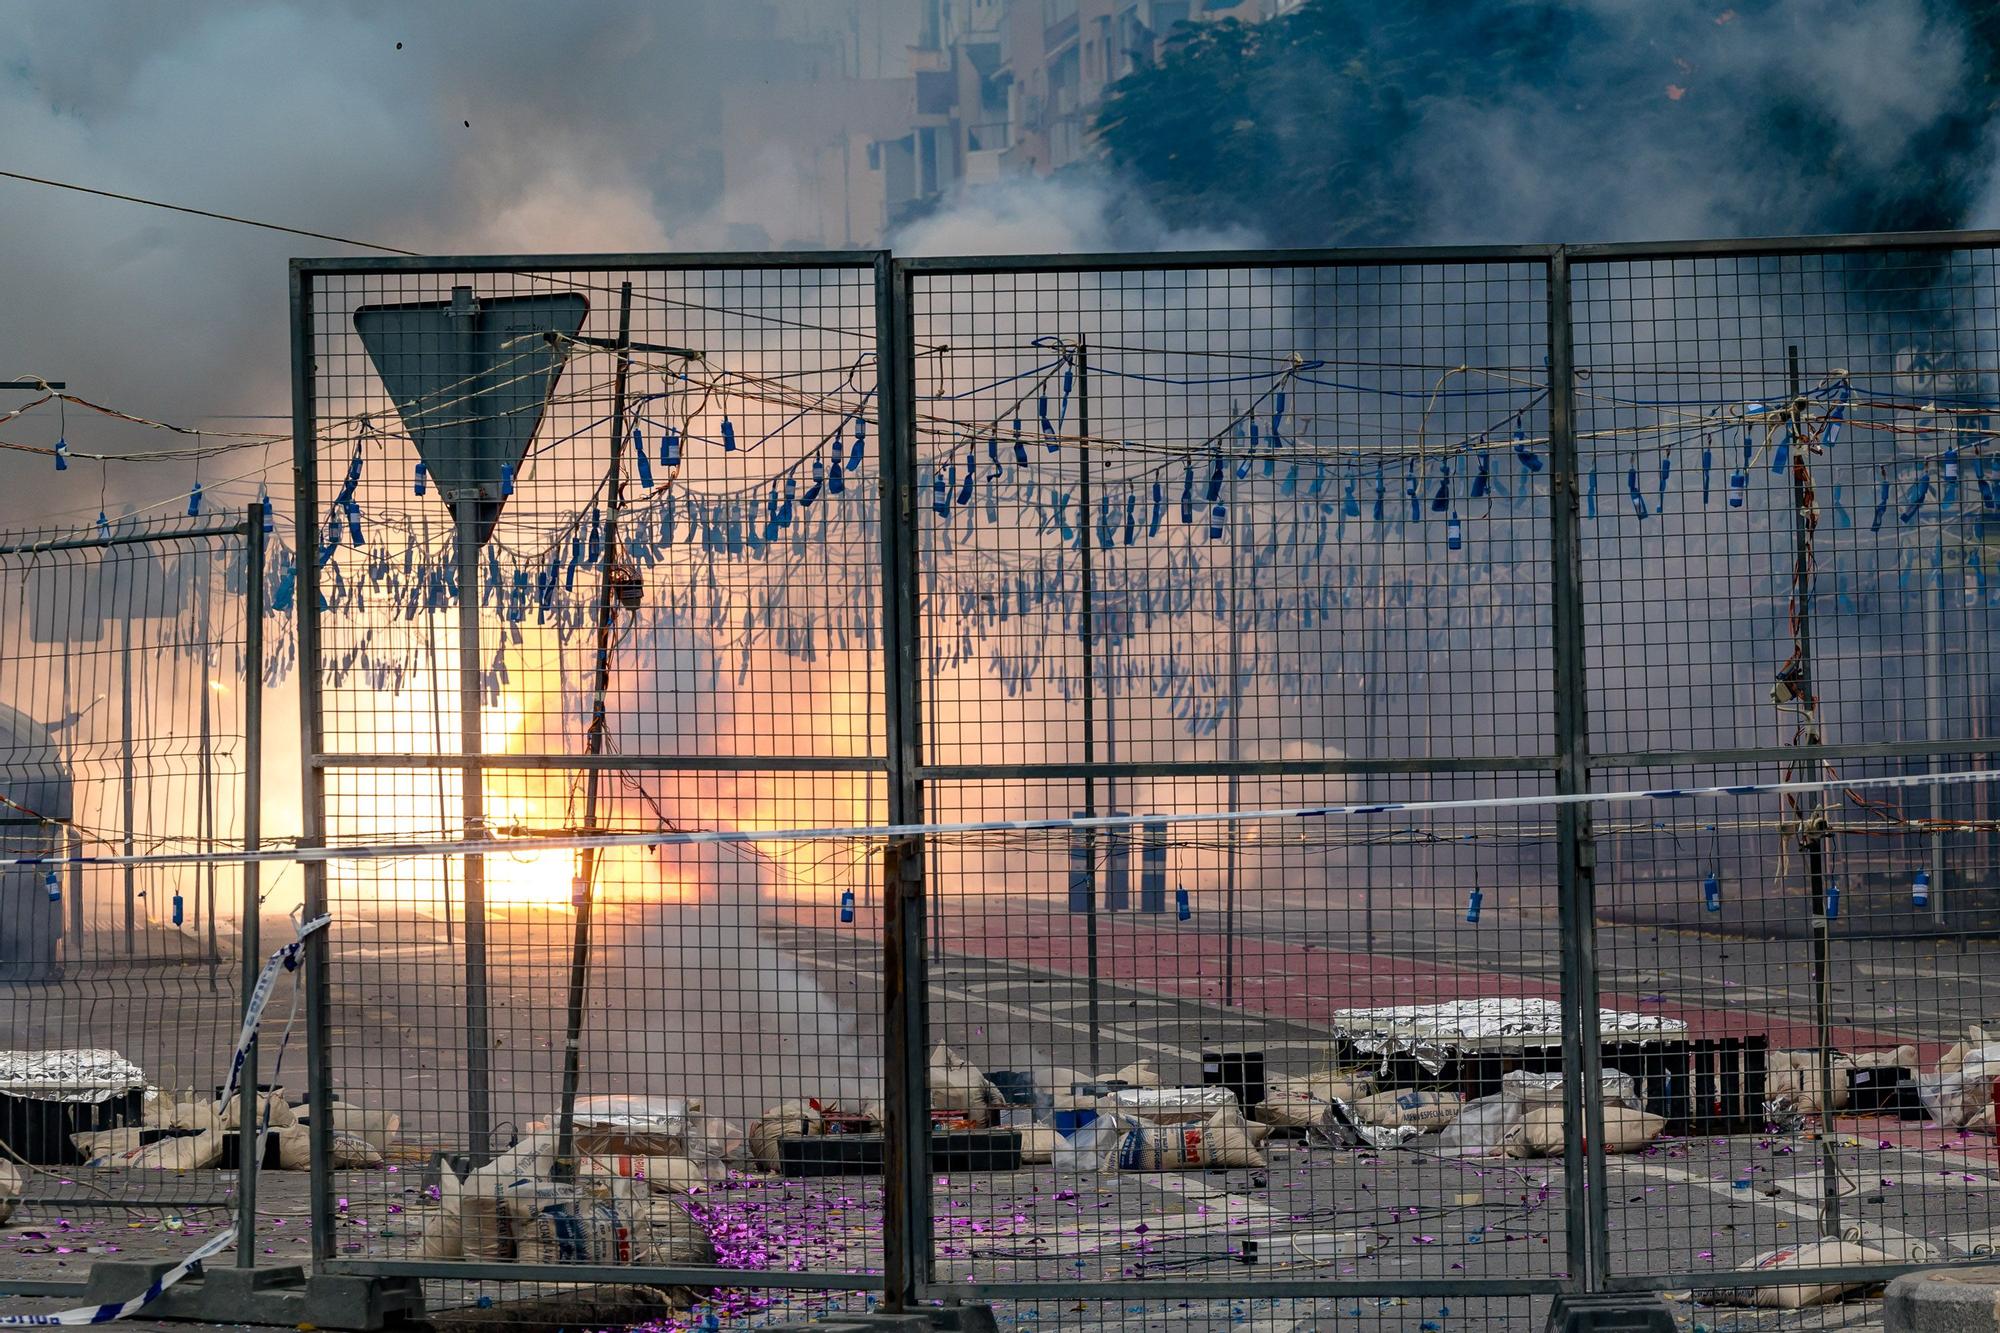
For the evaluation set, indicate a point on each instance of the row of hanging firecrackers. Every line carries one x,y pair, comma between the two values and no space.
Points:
746,528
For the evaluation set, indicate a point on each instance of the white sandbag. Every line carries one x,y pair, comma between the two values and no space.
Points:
272,1109
294,1147
1424,1110
1094,1147
1813,1254
1172,1106
1222,1140
957,1084
1485,1127
777,1122
1981,1064
1139,1074
351,1152
444,1232
1899,1057
183,1152
1950,1099
661,1175
1038,1144
10,1188
366,1123
185,1112
1057,1080
486,1230
1544,1132
1794,1077
1304,1101
585,1222
1619,1088
637,1126
98,1146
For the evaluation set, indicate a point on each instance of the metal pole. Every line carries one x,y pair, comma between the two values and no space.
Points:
906,1212
1576,854
75,950
607,612
128,783
250,947
1934,729
312,749
1232,868
1085,631
1812,824
472,798
205,776
472,785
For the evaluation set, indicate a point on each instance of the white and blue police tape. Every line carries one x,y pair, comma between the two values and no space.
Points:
383,851
284,959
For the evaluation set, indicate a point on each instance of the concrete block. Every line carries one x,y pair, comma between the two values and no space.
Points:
1944,1300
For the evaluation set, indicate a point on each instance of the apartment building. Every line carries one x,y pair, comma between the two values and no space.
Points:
1013,86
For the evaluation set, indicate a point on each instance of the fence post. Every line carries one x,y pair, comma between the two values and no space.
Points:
906,1237
249,946
312,744
1576,855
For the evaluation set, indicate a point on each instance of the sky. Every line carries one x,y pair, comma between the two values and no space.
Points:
581,128
533,128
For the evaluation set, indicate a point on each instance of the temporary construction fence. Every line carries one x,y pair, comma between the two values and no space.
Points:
130,725
638,545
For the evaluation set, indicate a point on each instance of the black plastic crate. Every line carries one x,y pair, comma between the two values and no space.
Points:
1888,1090
830,1155
37,1129
975,1150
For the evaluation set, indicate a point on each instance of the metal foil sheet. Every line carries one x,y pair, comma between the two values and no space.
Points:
1143,1100
1435,1034
68,1076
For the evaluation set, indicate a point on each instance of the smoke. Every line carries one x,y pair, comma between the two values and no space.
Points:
527,129
1586,121
1080,212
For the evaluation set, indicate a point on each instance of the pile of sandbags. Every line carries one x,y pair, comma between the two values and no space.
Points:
1306,1101
513,1209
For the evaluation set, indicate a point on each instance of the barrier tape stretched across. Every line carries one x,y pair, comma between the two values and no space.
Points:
285,959
711,837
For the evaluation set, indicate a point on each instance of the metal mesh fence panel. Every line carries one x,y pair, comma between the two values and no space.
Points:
123,730
1201,537
659,487
1785,502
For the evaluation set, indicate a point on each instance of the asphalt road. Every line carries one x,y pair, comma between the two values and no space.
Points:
753,1005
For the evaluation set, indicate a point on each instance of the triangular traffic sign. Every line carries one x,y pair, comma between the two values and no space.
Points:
471,377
